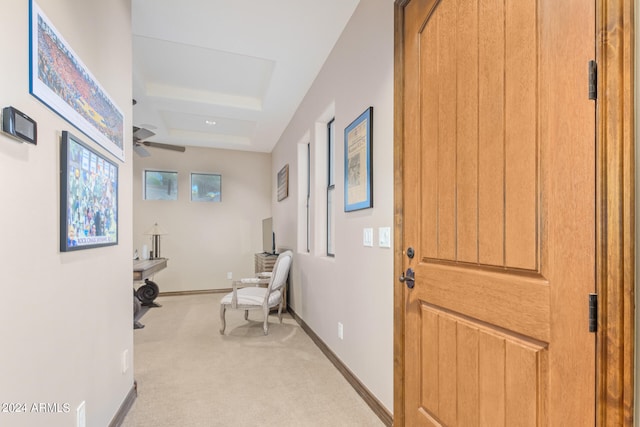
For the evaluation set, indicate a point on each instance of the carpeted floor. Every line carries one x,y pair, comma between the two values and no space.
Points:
190,375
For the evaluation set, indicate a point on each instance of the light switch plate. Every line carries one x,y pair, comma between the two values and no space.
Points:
367,237
384,237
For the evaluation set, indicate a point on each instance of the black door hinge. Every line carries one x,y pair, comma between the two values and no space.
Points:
593,80
593,312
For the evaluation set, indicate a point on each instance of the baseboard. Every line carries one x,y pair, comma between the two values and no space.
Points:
378,408
118,418
196,292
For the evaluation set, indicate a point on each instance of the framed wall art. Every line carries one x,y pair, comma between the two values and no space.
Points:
283,183
88,197
358,167
59,79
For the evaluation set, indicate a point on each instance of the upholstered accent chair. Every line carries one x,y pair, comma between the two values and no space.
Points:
251,294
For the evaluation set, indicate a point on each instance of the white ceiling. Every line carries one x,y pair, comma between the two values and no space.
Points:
243,64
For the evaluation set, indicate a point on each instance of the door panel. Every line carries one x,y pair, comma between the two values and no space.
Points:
490,132
499,205
492,377
480,173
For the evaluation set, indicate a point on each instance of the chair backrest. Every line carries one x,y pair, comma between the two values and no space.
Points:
280,271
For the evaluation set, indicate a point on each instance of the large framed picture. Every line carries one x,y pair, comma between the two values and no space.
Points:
88,197
358,168
59,79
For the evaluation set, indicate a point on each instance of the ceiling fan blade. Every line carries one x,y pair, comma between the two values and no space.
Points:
164,146
141,133
140,150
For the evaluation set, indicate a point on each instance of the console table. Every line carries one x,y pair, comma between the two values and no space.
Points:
146,267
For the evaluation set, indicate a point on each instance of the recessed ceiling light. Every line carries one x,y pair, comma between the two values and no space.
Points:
210,122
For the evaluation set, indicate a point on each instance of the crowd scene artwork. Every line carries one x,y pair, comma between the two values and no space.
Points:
73,87
91,211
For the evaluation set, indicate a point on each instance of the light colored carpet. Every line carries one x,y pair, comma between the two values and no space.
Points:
190,375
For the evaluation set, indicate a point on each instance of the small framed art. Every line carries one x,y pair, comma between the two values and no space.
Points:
283,183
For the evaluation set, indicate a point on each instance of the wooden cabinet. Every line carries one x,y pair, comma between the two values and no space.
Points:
264,262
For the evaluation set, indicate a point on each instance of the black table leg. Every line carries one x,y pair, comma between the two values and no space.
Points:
148,292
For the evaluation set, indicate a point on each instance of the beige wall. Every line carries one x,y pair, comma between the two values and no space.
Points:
356,287
65,318
205,240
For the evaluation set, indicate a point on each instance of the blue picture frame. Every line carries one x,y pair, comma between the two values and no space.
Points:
358,165
60,80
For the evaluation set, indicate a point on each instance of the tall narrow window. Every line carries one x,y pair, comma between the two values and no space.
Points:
331,187
303,199
308,197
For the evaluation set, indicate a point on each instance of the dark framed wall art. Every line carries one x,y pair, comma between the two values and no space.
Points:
88,197
283,183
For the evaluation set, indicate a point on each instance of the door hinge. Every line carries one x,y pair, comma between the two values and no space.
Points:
593,80
593,312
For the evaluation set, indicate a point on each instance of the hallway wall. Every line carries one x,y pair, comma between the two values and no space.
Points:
66,318
354,288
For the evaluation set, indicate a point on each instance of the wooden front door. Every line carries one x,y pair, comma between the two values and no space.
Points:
499,210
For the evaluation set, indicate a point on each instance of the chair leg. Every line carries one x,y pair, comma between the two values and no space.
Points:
266,321
223,323
246,315
280,311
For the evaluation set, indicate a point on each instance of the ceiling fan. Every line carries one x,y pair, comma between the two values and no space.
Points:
139,142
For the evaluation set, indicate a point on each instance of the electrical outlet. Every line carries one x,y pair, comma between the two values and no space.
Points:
125,361
340,331
81,416
229,275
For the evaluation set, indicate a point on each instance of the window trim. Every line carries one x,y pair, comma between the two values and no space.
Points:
331,186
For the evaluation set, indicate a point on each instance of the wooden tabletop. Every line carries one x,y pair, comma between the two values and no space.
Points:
146,267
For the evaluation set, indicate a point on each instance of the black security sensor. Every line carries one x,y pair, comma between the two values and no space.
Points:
19,126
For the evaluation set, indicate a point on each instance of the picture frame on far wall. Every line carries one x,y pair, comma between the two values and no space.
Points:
88,197
59,79
358,166
283,183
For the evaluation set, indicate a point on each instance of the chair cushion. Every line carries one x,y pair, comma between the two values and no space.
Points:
252,296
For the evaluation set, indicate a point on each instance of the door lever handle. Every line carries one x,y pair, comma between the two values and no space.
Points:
408,278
